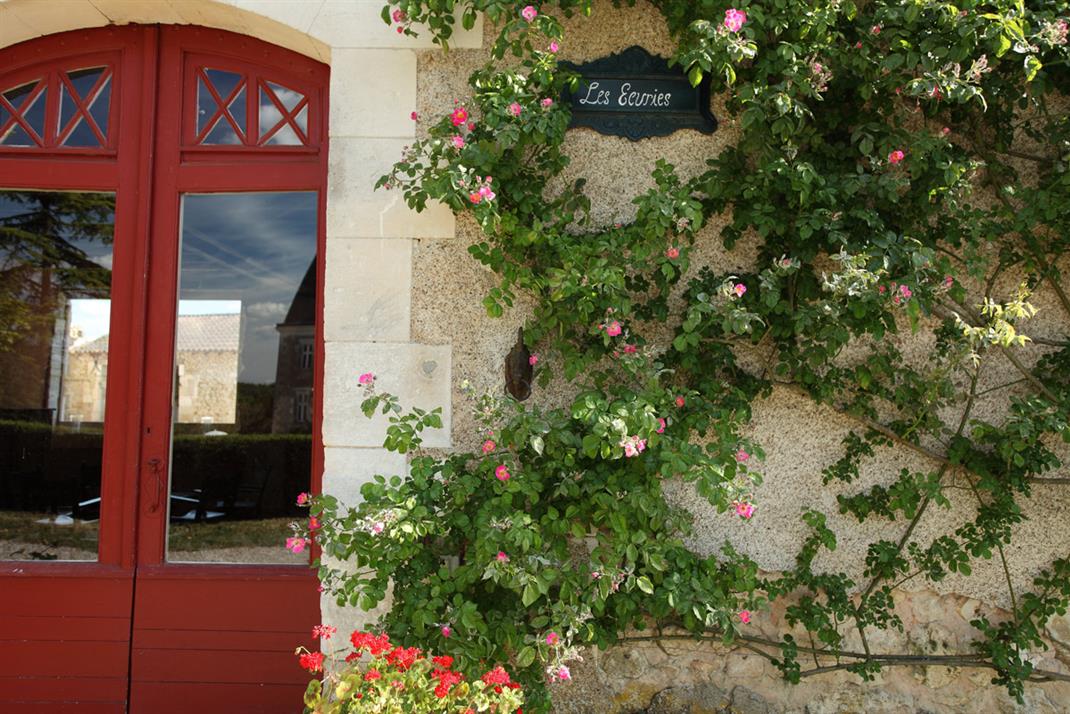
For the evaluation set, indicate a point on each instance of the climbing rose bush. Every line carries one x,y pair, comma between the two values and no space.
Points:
377,676
522,551
895,189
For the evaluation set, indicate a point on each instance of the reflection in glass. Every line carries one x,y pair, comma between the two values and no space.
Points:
95,102
12,132
55,276
273,124
224,84
242,444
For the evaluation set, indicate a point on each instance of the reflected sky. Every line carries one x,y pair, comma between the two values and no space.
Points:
254,248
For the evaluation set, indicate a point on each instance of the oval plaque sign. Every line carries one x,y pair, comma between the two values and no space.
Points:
635,94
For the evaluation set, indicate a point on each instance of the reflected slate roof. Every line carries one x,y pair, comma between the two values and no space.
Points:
196,333
303,308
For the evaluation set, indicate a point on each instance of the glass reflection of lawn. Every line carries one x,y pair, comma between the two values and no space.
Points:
38,537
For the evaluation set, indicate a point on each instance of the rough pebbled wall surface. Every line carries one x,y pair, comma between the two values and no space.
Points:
800,439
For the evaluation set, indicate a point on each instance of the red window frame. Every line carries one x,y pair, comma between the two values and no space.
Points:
52,74
183,166
84,632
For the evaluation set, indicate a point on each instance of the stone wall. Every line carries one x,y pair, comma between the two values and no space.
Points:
800,439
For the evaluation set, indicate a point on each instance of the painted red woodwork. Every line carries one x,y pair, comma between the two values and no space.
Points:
133,632
52,79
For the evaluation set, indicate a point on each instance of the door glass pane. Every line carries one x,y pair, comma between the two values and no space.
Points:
224,84
55,276
273,124
242,436
12,133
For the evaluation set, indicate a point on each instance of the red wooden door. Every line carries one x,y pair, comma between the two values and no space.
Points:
179,364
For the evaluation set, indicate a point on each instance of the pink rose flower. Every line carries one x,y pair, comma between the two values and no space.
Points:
303,498
672,253
739,289
529,13
554,47
613,329
378,527
552,639
875,30
734,19
475,197
744,616
744,510
398,15
742,455
488,446
680,402
296,545
502,557
487,193
366,378
946,130
515,109
446,631
661,425
459,116
414,116
905,292
896,156
563,674
629,349
502,473
533,360
457,141
547,103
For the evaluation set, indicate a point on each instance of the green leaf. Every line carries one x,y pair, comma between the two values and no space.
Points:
1004,45
531,594
468,20
694,75
526,657
645,585
1032,66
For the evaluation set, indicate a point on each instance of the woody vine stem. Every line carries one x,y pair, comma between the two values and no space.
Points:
901,171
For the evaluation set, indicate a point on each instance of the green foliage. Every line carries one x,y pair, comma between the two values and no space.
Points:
879,174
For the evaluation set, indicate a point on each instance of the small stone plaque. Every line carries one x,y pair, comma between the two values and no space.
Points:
635,94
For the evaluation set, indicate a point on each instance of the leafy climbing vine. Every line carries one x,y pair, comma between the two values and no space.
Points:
899,163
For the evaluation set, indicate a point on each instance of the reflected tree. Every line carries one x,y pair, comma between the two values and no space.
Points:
50,245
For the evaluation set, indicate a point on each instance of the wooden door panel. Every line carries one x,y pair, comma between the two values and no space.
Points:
64,641
209,636
78,707
22,691
63,659
209,697
219,666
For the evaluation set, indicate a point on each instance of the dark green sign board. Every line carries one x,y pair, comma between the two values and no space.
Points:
635,94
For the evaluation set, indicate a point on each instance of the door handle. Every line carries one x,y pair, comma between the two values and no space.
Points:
156,468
